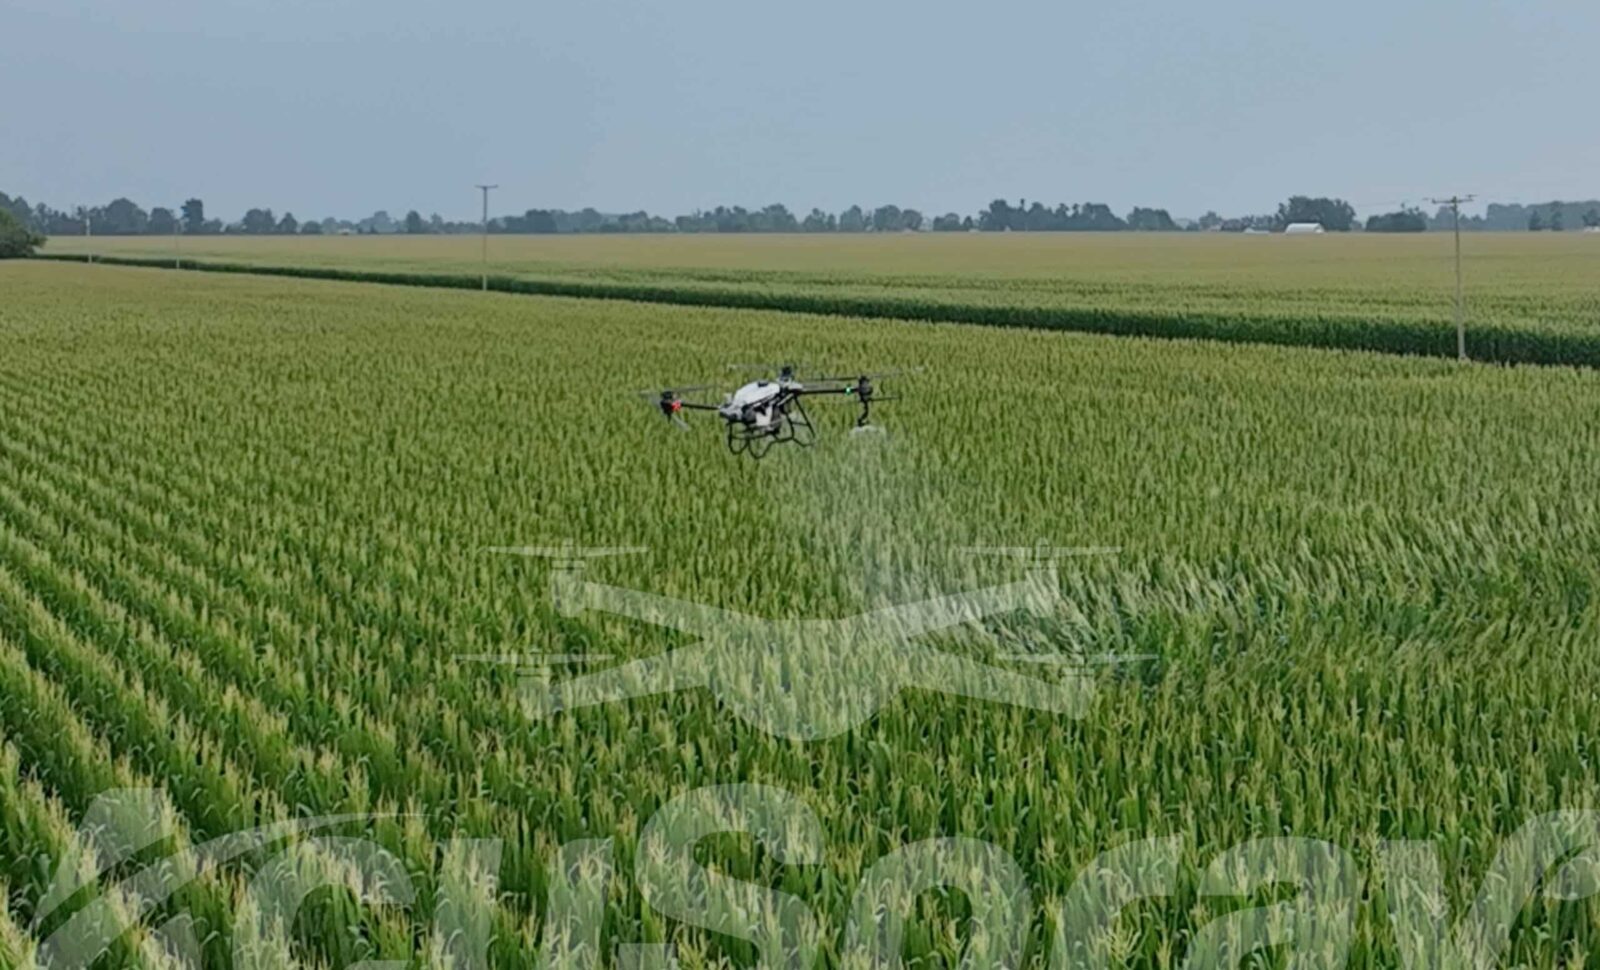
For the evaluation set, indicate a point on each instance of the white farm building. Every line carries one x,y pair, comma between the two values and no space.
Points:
1303,229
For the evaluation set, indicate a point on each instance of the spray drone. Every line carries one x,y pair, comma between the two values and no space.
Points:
770,411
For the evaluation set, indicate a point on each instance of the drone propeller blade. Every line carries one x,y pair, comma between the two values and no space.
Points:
565,552
874,375
1041,552
792,366
675,391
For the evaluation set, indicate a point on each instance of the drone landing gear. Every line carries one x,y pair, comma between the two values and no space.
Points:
798,426
742,439
793,427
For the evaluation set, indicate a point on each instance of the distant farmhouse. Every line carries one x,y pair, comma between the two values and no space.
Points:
1303,229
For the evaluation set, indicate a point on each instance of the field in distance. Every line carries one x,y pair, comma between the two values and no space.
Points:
1531,296
242,523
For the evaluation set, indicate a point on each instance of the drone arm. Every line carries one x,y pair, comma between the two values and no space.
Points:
909,620
864,398
952,674
676,614
672,671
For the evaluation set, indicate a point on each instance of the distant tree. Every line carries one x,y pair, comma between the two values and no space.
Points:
288,225
311,227
414,224
121,218
540,221
1535,222
997,218
587,219
162,222
1210,221
819,221
775,218
1151,220
1591,219
1334,215
734,218
18,207
1097,217
258,222
886,218
1557,222
1241,223
1406,220
853,220
1507,216
949,222
640,221
720,219
194,217
1036,218
53,223
16,239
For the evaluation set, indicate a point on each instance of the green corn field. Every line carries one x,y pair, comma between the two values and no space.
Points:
1531,298
243,534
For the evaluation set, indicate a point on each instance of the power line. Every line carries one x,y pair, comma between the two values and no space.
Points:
1454,202
485,189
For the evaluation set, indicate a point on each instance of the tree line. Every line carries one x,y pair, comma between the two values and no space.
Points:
123,217
1511,217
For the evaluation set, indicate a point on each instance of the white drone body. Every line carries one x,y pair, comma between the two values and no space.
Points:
769,412
753,401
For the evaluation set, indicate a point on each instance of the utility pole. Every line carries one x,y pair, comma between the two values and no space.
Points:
485,189
87,235
177,242
1454,202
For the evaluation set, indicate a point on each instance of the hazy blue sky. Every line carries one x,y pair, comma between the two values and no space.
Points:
341,108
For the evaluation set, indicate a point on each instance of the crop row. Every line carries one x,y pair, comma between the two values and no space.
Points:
1249,320
241,524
